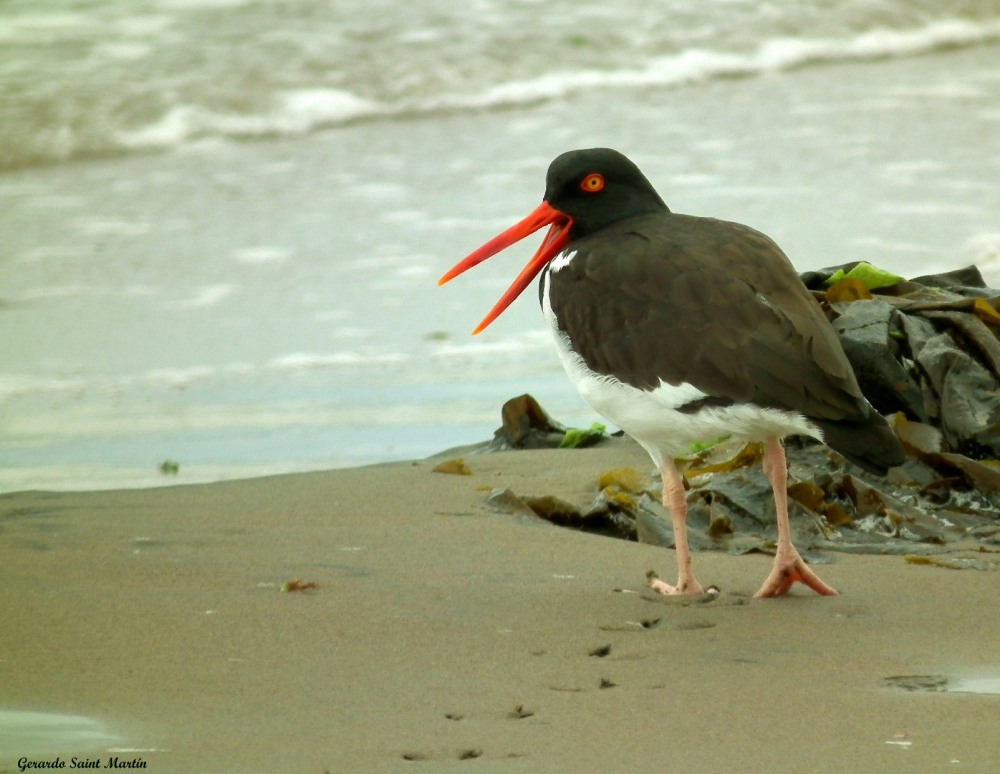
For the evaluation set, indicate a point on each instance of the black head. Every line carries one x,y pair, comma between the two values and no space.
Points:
585,191
597,187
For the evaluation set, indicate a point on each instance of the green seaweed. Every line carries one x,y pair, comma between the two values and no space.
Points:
575,437
699,446
870,276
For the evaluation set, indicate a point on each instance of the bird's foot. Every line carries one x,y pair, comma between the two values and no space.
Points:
791,568
684,585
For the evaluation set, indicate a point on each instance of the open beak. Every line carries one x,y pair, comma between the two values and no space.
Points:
554,241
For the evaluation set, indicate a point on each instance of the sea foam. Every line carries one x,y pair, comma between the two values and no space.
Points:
300,111
306,361
296,112
697,65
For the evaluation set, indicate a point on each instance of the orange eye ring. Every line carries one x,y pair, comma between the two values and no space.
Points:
592,183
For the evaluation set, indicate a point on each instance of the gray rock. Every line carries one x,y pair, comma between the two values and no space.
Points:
864,328
969,394
866,321
505,500
969,277
654,527
918,332
979,338
748,494
526,425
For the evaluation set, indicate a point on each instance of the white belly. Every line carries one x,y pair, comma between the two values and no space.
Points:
651,416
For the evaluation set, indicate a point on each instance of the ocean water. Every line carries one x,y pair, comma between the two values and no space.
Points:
223,220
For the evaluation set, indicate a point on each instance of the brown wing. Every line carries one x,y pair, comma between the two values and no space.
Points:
714,304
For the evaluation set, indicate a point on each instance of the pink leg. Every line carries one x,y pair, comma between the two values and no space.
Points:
788,565
676,504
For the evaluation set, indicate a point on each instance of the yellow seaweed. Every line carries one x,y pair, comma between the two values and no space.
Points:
848,290
748,455
808,494
456,466
620,498
836,515
985,311
628,479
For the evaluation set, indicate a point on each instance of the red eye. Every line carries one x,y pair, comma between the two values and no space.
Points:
592,183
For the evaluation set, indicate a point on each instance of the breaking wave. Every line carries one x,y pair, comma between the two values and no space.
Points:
201,112
699,65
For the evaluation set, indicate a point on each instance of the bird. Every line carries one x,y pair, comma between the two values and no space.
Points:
678,329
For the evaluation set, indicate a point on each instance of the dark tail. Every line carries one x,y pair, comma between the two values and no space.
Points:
869,443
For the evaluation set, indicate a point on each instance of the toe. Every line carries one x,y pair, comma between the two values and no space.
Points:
783,577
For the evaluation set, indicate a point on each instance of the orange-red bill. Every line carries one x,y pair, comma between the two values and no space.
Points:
556,238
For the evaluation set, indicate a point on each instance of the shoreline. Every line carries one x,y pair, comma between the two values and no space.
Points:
442,628
335,235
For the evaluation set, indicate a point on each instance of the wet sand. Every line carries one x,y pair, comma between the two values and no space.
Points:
449,633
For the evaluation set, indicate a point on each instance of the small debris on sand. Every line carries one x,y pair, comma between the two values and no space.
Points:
952,562
299,585
455,466
929,683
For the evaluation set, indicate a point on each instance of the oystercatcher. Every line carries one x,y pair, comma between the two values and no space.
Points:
680,329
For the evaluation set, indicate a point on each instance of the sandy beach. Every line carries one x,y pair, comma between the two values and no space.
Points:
447,636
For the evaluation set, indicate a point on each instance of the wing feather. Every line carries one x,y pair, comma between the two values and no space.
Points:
678,299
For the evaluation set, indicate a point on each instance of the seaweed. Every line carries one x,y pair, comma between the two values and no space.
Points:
926,353
579,439
870,277
626,479
454,466
299,585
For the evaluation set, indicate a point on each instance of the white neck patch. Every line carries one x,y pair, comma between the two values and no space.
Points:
562,260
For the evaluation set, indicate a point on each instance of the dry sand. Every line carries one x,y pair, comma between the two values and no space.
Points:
159,614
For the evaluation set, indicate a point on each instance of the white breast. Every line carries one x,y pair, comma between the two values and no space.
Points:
651,417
